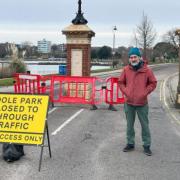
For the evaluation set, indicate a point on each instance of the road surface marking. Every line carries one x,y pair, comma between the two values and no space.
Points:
164,92
52,110
161,86
67,122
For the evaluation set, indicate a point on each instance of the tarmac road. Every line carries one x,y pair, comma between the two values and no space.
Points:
87,145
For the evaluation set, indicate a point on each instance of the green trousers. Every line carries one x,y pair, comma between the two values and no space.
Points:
142,112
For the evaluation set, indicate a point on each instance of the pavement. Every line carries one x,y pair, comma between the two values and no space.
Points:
168,97
6,89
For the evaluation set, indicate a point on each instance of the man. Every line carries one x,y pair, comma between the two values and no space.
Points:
137,81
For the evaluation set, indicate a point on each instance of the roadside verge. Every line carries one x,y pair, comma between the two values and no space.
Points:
168,96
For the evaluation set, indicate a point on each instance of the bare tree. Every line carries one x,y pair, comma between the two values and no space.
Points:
145,34
171,38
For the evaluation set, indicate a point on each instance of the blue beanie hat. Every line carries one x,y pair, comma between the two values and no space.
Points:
134,51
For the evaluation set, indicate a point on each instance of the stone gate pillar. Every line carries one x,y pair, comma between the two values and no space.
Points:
78,42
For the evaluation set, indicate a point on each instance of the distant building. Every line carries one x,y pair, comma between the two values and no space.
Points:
44,46
62,47
58,48
26,43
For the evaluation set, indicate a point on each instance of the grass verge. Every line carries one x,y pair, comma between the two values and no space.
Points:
6,82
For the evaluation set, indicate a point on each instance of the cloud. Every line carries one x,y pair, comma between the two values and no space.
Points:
34,32
52,32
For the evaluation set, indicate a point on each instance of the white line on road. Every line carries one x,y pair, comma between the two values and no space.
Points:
67,122
52,110
161,87
164,92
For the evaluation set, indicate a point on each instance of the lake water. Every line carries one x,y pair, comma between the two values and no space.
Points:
53,69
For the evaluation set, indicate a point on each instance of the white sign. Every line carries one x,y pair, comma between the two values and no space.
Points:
76,62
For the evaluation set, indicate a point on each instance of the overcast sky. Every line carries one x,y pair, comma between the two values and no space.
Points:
33,20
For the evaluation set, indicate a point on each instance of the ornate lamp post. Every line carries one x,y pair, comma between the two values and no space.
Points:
79,19
178,87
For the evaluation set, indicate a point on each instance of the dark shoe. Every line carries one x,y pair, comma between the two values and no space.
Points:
147,150
112,108
129,147
94,107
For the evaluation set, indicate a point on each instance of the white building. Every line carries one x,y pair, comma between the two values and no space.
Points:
44,46
26,43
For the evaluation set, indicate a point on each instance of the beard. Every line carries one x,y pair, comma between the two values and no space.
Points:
134,63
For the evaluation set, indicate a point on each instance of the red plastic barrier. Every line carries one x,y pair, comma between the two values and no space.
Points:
28,84
70,89
113,94
75,89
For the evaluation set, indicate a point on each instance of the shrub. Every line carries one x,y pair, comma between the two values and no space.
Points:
17,66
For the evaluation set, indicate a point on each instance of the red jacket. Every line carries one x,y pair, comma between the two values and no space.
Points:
136,85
